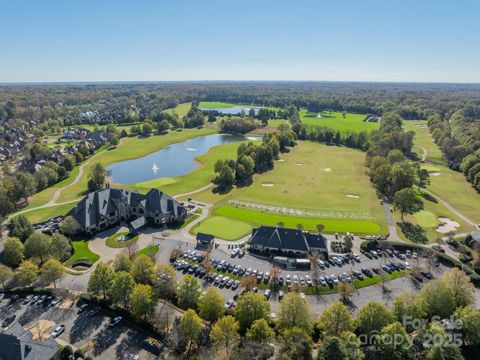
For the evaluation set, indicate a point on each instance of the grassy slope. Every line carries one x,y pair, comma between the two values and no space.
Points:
81,252
131,148
308,187
336,121
423,139
222,227
44,214
181,109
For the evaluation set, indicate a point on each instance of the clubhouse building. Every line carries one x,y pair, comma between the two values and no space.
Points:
102,209
287,242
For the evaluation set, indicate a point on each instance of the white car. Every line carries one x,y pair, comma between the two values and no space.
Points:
407,266
295,279
229,304
302,295
58,330
115,320
289,279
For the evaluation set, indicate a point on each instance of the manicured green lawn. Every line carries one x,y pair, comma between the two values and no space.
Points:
150,250
215,104
39,215
131,148
316,184
114,242
222,227
44,196
81,253
452,187
423,139
181,109
336,121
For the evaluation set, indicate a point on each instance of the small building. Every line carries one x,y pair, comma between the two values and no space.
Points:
205,239
16,343
287,242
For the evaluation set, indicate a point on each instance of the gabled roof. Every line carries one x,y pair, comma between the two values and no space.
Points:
288,239
138,223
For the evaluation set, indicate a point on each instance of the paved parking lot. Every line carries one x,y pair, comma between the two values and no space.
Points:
84,329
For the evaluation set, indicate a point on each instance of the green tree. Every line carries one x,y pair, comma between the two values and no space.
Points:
394,343
13,251
439,298
27,273
461,285
372,318
100,281
188,292
20,227
143,269
60,247
52,271
406,201
6,274
444,353
335,319
166,281
122,263
142,301
24,185
260,332
353,345
38,246
294,312
96,177
122,286
332,348
69,226
470,319
408,305
295,344
210,305
190,328
224,334
251,307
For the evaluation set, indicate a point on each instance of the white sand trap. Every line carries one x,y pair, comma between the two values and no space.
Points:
447,226
192,149
281,160
319,116
300,164
268,184
327,170
435,173
353,196
421,126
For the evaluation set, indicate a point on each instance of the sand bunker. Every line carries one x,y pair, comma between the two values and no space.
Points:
281,160
327,170
41,329
300,164
267,184
447,226
421,126
353,196
435,173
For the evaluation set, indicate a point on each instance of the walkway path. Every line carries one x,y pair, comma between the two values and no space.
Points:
424,150
392,227
194,191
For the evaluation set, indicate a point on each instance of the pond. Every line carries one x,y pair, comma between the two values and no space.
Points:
173,160
234,110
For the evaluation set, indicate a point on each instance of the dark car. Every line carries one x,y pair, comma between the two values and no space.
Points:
9,320
427,275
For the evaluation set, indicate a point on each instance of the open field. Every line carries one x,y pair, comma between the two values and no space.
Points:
181,109
313,184
198,178
81,252
336,121
423,139
452,187
131,148
44,214
222,227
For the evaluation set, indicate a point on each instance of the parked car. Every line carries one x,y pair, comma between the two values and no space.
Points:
267,294
94,311
281,294
152,345
82,308
115,320
356,258
229,304
58,330
10,319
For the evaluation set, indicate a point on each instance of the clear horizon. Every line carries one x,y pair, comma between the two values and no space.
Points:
155,41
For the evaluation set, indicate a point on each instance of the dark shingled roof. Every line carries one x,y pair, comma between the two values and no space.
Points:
287,239
138,223
204,237
16,343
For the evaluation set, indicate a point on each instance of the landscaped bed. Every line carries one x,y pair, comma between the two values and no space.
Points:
82,256
121,239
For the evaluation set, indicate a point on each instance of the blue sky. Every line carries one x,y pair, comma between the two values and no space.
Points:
142,40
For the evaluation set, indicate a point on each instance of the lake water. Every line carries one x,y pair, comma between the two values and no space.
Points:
235,110
173,160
